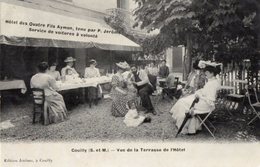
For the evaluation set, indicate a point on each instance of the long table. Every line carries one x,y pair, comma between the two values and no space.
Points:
86,82
11,84
80,85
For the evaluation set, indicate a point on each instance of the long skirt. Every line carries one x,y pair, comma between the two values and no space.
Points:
94,92
181,107
56,108
119,103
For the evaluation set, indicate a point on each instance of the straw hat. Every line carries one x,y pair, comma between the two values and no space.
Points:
92,61
69,59
210,66
123,65
203,64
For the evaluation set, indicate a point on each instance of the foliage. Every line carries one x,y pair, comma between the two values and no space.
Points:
220,29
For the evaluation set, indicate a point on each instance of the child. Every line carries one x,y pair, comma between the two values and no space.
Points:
132,119
72,78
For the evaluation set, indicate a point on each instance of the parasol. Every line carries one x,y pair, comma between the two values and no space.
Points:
187,116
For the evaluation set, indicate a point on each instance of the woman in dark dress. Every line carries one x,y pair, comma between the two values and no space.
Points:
120,93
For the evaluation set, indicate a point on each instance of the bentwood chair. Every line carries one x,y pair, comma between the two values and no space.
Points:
39,105
255,107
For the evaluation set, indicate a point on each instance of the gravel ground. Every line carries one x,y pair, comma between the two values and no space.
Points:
97,124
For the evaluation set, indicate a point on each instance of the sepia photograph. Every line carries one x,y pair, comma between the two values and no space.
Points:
99,80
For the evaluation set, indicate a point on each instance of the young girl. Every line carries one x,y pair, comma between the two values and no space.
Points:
132,119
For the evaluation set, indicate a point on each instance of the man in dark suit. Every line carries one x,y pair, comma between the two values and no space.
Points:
144,87
163,70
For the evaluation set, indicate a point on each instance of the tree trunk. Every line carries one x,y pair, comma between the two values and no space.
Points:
187,58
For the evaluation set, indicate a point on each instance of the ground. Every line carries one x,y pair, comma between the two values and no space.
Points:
97,124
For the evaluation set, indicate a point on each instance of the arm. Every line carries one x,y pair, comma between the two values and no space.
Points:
63,71
98,73
52,83
167,71
115,85
86,73
75,72
160,72
58,76
144,78
208,95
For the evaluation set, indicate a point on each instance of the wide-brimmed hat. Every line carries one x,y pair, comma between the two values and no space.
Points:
123,65
210,66
69,59
92,61
203,64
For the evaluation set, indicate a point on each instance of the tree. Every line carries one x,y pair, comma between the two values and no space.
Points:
210,29
223,30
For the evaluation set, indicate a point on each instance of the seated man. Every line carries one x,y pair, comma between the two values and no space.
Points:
163,72
171,88
144,88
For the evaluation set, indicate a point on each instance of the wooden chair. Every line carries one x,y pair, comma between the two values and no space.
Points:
236,99
255,107
39,105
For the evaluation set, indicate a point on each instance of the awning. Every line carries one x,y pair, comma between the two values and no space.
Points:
23,26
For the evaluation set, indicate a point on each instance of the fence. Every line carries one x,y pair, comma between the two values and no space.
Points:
242,71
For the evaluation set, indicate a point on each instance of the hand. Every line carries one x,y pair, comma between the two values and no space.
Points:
192,111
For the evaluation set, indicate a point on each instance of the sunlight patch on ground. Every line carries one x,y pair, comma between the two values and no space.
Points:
6,125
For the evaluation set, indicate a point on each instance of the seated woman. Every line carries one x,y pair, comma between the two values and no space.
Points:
71,77
120,93
207,97
196,80
93,92
52,72
55,102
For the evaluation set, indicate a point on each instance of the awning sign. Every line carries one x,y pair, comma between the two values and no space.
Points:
18,21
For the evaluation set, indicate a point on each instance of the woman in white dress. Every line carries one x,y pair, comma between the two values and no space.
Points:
207,96
55,102
52,72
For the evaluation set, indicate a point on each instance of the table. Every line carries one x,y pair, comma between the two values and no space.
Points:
86,82
11,84
81,84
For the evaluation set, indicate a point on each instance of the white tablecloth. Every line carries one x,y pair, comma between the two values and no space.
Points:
13,84
87,82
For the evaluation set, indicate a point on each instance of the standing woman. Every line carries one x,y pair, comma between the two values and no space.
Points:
93,92
55,102
119,92
52,72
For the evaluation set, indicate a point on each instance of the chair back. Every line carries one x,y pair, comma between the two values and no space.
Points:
38,96
256,96
247,93
176,81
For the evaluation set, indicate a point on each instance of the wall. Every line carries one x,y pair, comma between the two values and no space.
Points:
174,59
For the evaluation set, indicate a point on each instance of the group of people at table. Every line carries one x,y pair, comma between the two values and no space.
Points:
128,83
